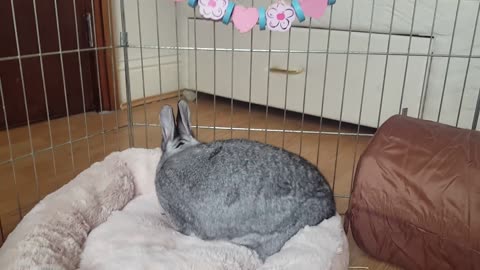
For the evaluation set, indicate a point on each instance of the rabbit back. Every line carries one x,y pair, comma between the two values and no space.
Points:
251,193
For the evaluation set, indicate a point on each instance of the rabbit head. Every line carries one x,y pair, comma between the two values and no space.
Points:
176,136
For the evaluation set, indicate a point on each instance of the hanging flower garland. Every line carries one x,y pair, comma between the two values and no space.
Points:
277,17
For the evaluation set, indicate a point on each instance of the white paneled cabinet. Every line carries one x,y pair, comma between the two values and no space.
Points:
342,87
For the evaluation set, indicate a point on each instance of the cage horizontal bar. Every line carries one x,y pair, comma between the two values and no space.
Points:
341,196
210,49
26,56
335,133
33,153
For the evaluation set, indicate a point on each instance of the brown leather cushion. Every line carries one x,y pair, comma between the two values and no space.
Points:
416,197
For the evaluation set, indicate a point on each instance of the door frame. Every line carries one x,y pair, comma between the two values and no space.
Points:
108,81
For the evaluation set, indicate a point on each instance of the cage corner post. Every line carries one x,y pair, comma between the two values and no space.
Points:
124,44
476,113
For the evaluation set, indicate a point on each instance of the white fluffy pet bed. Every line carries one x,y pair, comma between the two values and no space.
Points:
108,217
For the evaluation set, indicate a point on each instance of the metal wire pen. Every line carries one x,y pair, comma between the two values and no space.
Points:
349,54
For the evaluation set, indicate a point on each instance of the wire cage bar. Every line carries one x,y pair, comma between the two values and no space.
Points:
320,90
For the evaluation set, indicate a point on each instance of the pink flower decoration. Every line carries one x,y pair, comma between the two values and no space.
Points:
213,9
280,17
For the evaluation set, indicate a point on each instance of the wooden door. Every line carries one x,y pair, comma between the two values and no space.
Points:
74,91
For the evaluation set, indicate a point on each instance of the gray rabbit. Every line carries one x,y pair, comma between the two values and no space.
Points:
246,192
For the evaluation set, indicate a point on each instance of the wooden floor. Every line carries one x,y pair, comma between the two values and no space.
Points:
78,141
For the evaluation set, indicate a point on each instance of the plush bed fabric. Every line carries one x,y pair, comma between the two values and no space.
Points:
108,217
141,237
416,197
51,236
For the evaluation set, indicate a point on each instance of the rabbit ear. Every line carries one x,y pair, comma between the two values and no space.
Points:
183,119
167,121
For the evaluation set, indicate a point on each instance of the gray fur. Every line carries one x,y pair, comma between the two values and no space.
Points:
249,193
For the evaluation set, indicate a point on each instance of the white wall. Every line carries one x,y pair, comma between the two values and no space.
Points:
156,64
443,35
452,84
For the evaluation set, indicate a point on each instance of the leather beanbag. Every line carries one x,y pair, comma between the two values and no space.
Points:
416,196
